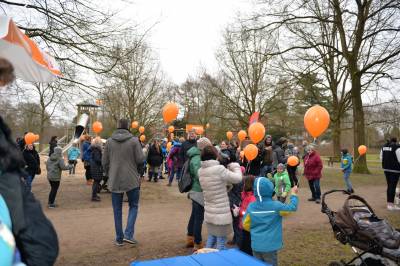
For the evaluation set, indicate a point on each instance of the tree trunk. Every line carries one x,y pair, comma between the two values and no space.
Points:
41,129
360,165
336,134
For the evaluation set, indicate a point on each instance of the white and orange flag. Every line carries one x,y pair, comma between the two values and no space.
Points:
30,62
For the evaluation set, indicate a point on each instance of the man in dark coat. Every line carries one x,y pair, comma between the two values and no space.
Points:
390,157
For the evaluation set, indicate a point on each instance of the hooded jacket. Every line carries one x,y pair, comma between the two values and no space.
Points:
282,183
121,157
263,217
32,161
73,153
154,157
96,169
55,165
214,178
313,166
346,163
174,159
86,151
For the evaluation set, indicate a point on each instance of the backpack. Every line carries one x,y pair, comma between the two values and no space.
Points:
185,182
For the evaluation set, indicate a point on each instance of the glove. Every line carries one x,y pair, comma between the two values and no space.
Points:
235,210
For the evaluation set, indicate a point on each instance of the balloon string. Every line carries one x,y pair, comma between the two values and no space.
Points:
315,140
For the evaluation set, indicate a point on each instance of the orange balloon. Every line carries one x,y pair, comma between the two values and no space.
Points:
199,131
362,149
293,161
141,129
170,112
135,124
37,137
251,152
242,135
97,127
316,120
171,129
256,132
30,138
142,138
229,135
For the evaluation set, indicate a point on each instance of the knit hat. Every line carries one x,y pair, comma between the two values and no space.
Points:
281,165
203,142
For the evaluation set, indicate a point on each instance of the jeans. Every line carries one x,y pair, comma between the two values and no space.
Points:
292,175
73,163
196,222
53,192
217,242
346,177
172,174
29,181
96,187
268,257
266,169
392,179
315,188
133,199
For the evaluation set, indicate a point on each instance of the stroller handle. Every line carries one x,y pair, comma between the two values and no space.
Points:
323,204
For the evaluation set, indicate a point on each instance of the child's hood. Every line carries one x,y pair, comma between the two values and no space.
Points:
263,188
57,154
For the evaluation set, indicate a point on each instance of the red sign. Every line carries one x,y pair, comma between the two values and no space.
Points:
254,118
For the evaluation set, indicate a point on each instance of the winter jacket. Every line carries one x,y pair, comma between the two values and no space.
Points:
174,160
73,153
247,198
214,178
267,156
282,183
390,157
35,236
278,156
121,157
312,166
86,151
194,166
55,165
52,145
346,163
186,146
32,161
234,194
263,217
154,157
96,169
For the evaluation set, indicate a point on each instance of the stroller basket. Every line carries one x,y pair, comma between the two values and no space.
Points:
357,224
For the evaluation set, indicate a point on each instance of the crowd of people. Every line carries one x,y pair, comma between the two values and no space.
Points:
227,192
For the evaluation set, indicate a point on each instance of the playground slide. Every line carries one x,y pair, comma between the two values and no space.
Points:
80,127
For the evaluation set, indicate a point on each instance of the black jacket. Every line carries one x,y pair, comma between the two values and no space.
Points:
185,147
35,236
390,162
32,161
154,158
52,144
96,170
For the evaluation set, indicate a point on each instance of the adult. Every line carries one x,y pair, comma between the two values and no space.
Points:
267,156
121,158
73,155
278,155
254,166
52,144
214,179
390,157
226,154
32,161
189,143
86,155
21,142
96,169
35,236
194,238
175,162
292,170
313,173
154,160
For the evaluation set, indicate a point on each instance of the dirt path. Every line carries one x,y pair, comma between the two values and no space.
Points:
86,229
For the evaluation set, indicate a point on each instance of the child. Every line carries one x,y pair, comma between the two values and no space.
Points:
345,165
55,164
263,219
73,155
282,183
247,198
214,178
96,169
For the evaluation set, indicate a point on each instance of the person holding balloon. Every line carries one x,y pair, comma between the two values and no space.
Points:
32,161
154,160
86,155
346,166
313,172
175,163
267,156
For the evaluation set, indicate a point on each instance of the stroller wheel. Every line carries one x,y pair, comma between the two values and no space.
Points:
336,263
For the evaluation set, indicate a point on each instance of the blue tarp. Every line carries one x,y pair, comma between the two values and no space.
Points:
222,258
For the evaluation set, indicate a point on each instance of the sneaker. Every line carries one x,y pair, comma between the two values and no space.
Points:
119,244
96,198
318,201
393,208
51,206
130,241
311,199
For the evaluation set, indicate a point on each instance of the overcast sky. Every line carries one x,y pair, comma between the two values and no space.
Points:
188,32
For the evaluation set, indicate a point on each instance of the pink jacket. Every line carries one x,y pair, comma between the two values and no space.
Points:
247,198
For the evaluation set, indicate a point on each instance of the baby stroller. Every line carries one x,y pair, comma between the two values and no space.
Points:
374,240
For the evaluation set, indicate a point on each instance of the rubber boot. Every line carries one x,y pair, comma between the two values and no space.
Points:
190,241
